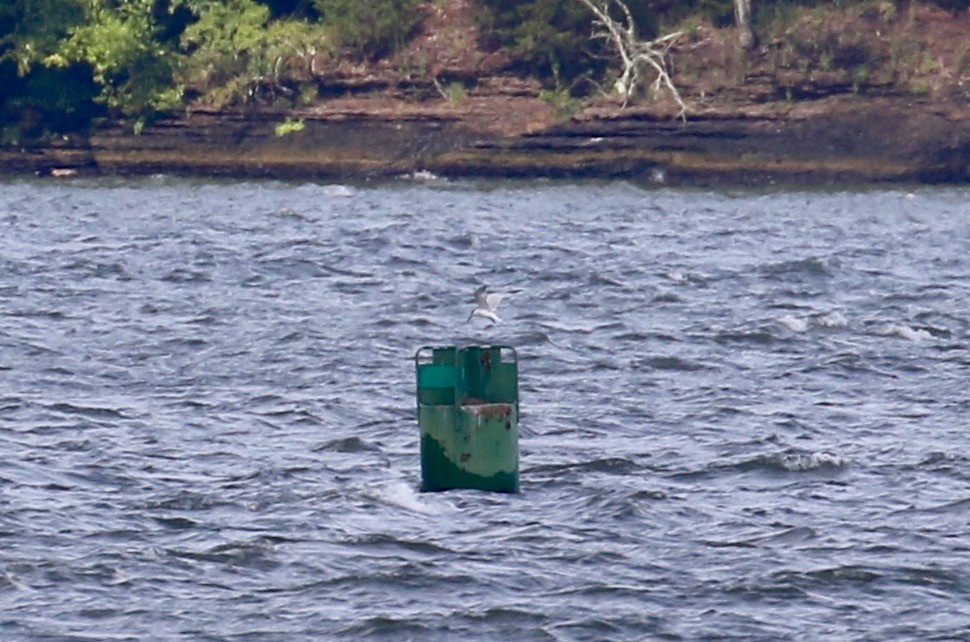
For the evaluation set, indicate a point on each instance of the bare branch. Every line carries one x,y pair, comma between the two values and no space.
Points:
635,54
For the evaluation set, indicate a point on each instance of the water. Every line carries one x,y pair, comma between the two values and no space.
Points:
744,414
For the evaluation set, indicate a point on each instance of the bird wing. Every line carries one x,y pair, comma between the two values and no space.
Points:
480,298
493,299
486,314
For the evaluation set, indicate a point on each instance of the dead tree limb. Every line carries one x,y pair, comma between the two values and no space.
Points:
637,57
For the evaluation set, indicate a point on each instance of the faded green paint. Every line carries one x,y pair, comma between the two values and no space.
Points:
439,473
468,414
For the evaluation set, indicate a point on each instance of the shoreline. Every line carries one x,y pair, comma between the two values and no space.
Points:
842,139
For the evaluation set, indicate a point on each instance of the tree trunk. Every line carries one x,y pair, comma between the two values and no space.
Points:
742,19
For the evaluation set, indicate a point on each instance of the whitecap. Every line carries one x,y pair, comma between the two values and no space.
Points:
912,334
422,175
793,323
804,462
833,319
339,190
795,462
903,332
399,493
677,277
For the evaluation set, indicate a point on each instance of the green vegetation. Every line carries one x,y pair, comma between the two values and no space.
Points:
289,126
372,29
456,92
549,38
66,63
235,54
562,102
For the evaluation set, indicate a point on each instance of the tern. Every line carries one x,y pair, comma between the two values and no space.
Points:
486,304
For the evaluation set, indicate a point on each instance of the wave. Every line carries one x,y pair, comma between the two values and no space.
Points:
670,363
255,554
608,465
811,267
829,576
794,462
338,190
787,537
901,331
534,338
406,496
831,320
957,507
347,445
827,320
788,462
793,323
95,269
946,463
667,297
93,412
185,276
759,336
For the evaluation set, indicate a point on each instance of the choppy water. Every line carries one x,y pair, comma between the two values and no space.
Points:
745,415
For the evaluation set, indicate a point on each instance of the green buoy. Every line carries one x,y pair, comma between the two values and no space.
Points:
468,411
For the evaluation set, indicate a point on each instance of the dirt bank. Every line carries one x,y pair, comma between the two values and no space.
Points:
838,139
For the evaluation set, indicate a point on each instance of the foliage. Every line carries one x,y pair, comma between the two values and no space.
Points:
289,126
235,51
47,100
72,56
456,92
370,29
132,68
31,30
549,38
562,103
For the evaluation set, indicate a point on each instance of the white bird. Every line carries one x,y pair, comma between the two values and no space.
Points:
486,304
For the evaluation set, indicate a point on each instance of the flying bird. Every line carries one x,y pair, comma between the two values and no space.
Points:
486,304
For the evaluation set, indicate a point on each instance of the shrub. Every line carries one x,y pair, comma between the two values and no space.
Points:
234,51
130,70
370,29
549,38
133,71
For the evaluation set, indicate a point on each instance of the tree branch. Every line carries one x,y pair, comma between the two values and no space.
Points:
635,54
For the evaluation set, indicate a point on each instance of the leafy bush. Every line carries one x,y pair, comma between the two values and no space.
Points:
234,51
70,52
133,70
31,31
